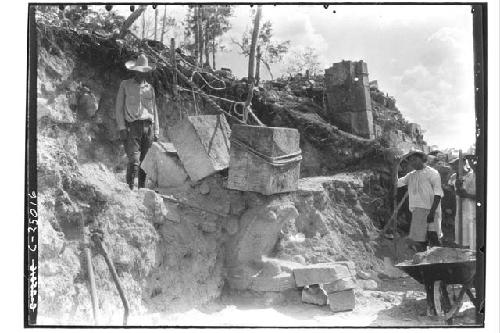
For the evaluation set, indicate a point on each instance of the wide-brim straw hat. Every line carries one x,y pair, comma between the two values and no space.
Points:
139,65
416,152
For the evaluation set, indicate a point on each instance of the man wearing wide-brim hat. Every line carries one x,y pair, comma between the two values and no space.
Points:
137,118
425,193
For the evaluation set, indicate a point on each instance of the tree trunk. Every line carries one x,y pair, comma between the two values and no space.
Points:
251,62
156,22
207,42
200,35
143,25
255,34
131,19
163,23
257,66
213,52
196,34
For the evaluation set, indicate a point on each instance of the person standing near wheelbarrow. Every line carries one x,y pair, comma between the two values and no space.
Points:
425,193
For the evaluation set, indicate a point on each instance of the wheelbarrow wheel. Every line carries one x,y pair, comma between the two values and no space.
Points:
446,303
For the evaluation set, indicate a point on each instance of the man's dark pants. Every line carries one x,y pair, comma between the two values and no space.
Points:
432,241
137,144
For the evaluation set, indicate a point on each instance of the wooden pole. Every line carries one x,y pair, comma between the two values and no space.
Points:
90,273
459,201
163,23
156,23
112,270
395,214
175,91
174,65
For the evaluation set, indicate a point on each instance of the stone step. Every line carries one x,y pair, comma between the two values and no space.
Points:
341,300
314,295
320,274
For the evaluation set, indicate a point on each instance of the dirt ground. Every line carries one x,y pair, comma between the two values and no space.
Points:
397,302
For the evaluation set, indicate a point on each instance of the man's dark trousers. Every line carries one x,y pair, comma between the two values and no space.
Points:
137,144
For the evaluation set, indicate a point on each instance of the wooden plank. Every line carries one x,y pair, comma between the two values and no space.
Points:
460,212
174,65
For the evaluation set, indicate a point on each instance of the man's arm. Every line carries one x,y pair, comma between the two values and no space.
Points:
120,101
403,181
438,194
435,204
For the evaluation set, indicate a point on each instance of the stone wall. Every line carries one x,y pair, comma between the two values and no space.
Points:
348,97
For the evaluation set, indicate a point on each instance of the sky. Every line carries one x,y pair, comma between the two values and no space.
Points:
420,54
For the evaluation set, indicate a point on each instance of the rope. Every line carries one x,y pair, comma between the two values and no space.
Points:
278,161
208,83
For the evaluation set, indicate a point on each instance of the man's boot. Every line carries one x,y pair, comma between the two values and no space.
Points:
141,179
131,173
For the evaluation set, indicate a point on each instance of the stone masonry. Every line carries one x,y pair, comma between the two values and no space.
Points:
348,97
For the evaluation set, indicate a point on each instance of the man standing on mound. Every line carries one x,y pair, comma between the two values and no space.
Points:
425,193
137,118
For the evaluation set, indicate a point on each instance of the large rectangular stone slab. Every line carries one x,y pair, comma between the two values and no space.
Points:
280,282
341,300
163,167
202,143
339,285
264,159
320,274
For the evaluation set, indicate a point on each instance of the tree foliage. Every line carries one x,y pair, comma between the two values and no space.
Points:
146,27
303,60
212,22
271,51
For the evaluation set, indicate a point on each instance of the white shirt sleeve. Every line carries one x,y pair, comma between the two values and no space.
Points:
436,184
403,181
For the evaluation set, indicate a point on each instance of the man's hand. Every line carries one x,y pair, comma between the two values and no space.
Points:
155,138
430,217
123,134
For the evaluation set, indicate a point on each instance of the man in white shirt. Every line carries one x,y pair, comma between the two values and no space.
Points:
425,193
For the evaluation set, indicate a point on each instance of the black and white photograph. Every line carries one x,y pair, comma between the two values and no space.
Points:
258,165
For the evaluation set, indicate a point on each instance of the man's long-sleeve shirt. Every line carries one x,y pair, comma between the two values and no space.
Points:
136,101
423,185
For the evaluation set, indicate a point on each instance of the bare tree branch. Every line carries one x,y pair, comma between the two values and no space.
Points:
130,20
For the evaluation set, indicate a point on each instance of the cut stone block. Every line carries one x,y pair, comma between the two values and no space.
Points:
163,167
339,285
280,282
351,266
341,300
368,284
320,274
202,144
264,159
314,295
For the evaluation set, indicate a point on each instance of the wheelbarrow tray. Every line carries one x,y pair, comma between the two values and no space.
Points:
460,272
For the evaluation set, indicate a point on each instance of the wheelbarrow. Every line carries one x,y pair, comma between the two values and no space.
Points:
442,281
